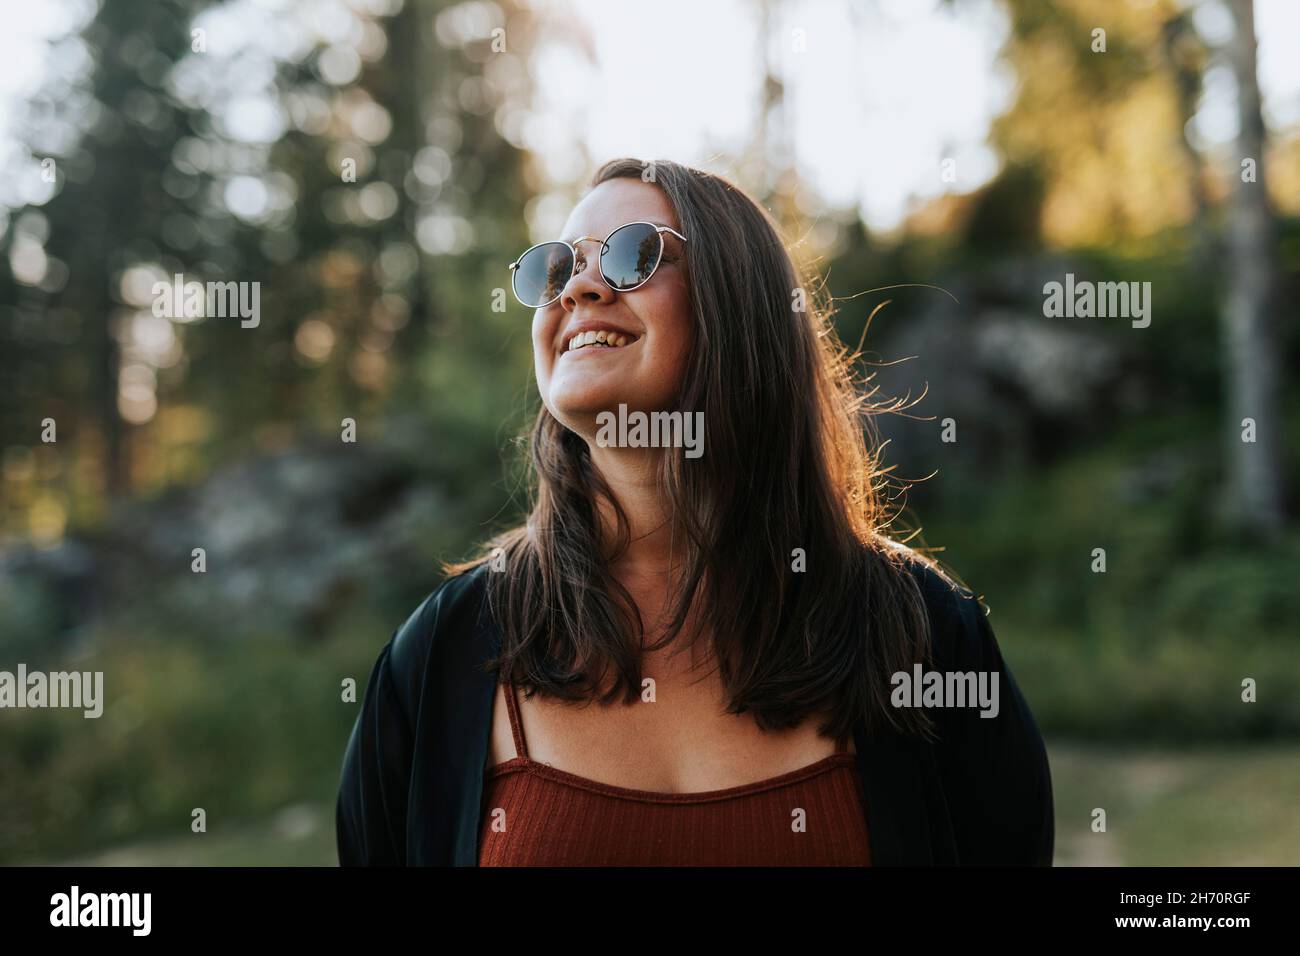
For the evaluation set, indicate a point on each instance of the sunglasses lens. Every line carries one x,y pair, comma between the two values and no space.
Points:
542,273
630,255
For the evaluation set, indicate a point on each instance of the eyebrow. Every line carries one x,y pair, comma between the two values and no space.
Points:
570,239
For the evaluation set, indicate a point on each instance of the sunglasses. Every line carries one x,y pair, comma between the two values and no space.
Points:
628,258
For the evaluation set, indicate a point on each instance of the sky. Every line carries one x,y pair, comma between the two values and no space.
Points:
882,92
879,92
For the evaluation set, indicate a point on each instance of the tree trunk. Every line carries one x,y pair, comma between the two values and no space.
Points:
1184,55
1252,347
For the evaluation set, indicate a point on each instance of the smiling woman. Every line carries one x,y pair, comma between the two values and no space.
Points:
707,644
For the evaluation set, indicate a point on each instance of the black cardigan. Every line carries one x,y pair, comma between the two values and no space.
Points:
412,779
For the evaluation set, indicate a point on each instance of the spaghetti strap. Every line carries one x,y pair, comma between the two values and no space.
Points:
516,725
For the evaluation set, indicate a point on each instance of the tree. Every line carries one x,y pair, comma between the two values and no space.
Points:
1249,333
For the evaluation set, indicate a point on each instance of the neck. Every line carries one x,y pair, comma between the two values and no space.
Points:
654,549
656,552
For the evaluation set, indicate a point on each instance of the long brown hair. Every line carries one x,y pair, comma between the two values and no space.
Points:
788,471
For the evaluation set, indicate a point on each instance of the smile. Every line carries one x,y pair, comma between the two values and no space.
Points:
600,340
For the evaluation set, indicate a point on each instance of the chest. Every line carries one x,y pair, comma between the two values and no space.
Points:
675,738
633,789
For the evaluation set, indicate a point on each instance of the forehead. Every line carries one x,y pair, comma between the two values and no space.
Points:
615,202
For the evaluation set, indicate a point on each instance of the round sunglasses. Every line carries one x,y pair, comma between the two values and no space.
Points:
628,258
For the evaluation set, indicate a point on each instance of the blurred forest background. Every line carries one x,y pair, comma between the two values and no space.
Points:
373,165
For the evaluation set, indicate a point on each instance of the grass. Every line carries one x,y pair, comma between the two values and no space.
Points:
301,835
1206,807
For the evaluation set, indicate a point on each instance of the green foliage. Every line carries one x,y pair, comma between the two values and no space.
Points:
1156,647
186,724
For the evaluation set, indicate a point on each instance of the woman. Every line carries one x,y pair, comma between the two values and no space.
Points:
701,648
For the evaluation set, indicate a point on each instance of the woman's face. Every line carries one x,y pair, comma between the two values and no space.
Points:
654,320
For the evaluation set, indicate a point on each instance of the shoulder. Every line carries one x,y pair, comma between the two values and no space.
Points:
960,632
447,615
990,757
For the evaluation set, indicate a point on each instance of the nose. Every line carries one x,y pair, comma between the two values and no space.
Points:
586,285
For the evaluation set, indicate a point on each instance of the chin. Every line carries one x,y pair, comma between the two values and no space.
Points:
586,395
578,412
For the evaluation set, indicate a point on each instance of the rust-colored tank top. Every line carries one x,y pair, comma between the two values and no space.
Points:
535,815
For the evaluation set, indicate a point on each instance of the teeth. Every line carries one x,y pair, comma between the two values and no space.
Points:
601,338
